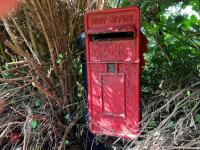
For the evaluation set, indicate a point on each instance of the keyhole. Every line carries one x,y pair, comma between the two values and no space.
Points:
111,68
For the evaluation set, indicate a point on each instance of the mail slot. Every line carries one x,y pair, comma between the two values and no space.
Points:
113,70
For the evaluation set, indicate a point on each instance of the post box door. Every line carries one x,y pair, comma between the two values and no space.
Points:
114,103
113,95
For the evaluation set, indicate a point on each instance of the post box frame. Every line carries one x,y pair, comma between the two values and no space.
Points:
136,62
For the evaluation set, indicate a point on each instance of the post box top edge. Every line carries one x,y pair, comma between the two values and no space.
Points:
112,10
102,22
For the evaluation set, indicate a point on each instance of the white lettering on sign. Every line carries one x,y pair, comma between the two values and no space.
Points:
113,19
111,51
98,20
121,19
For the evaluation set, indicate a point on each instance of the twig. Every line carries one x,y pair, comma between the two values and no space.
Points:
16,63
17,69
36,66
14,79
11,123
15,110
26,41
67,130
181,147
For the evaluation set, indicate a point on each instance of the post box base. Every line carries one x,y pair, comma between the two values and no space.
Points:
115,134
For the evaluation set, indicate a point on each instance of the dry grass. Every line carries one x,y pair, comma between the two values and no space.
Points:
41,42
20,109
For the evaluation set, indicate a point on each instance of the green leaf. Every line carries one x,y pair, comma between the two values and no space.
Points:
67,117
179,19
79,95
38,103
152,124
197,118
171,125
34,124
188,93
66,142
59,61
61,56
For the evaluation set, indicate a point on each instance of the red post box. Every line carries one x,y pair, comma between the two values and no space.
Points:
113,47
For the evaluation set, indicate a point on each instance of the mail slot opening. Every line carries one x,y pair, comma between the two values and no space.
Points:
111,36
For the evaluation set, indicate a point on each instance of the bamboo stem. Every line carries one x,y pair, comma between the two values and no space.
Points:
25,39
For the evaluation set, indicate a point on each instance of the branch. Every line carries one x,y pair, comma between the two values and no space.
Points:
17,63
14,80
34,64
67,130
26,41
16,69
48,93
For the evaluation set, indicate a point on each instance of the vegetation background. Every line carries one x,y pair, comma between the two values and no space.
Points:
41,76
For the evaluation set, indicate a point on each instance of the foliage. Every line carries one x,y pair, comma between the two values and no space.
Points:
170,78
197,118
173,47
34,124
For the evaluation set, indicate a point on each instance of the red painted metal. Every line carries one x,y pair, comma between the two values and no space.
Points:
113,70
